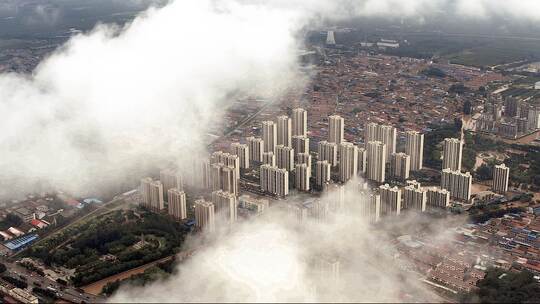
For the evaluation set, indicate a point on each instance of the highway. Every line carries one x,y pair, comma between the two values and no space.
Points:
66,293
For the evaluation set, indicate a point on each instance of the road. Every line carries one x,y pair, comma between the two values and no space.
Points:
69,294
244,122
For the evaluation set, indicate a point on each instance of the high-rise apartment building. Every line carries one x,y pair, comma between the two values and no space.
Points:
269,159
376,161
511,107
284,131
458,184
438,198
256,148
225,205
304,158
390,200
300,144
156,196
414,147
144,189
229,180
269,135
452,154
233,161
370,207
322,170
274,180
204,215
400,165
383,133
282,182
371,132
177,204
299,122
170,179
362,160
387,135
302,175
348,164
215,176
205,172
328,151
336,126
285,157
242,151
501,174
414,197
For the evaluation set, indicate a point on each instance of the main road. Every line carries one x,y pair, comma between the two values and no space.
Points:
33,279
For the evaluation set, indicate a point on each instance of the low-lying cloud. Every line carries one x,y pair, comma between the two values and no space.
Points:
118,99
276,258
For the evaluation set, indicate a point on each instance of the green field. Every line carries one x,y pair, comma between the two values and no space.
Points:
496,51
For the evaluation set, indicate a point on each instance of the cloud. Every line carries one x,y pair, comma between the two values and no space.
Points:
276,258
118,99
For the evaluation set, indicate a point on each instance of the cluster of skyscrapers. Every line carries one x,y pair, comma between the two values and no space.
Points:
282,158
511,118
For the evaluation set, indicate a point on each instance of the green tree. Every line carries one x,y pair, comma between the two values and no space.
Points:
484,172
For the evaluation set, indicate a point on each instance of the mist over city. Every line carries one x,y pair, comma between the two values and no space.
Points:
269,151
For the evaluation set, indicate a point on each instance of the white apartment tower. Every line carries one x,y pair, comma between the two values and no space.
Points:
400,165
177,204
383,133
370,207
284,131
302,175
225,205
362,160
414,147
144,189
269,159
336,126
376,161
501,174
322,170
204,215
348,164
242,151
300,144
304,158
458,184
215,176
156,196
282,182
452,154
285,157
269,135
274,180
438,198
229,180
170,179
371,132
256,148
414,197
328,151
299,123
390,200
